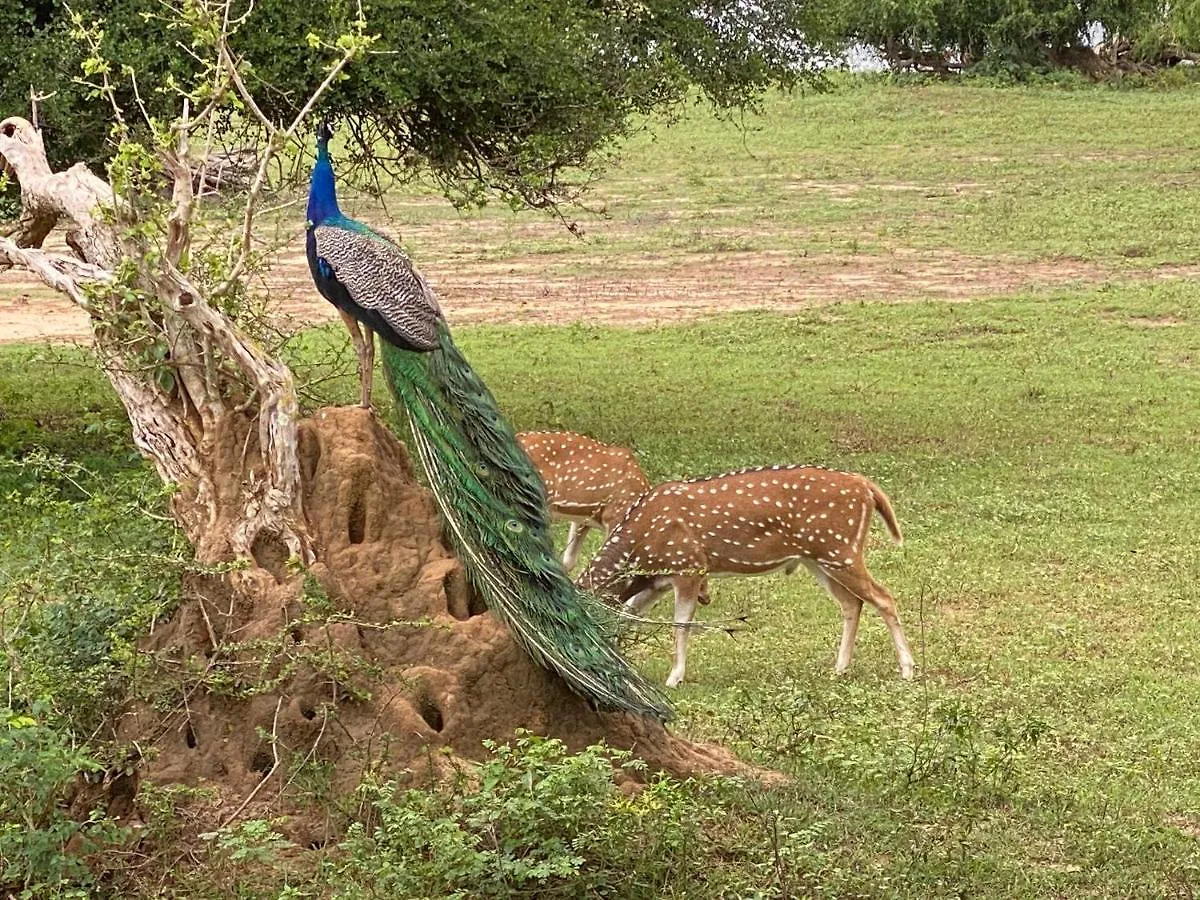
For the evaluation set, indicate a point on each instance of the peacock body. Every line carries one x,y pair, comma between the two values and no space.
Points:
489,494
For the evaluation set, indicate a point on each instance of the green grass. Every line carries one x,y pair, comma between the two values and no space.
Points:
1042,456
1091,172
54,398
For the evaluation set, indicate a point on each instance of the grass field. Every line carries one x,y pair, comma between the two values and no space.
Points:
869,167
1041,449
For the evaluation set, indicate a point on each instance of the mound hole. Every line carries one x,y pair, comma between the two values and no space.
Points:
271,553
357,519
189,736
307,710
430,712
309,451
261,761
461,602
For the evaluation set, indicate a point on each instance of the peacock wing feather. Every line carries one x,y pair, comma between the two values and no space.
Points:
381,280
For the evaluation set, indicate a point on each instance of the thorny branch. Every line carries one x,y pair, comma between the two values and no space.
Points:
274,765
275,142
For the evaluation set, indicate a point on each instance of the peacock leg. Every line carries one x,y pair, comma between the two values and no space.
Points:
366,372
365,348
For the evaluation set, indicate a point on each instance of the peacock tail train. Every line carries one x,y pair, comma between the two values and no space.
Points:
493,504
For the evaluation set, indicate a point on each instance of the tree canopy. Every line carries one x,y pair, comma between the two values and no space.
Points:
507,95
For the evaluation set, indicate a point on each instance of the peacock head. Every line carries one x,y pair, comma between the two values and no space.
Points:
324,133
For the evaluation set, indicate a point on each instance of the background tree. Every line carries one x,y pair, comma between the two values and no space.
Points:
1009,35
493,96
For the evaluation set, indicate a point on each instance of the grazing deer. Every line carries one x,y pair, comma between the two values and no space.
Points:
588,483
749,523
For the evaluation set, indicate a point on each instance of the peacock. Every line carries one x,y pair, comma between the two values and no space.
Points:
491,498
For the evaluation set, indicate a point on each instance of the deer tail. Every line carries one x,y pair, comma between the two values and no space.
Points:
883,506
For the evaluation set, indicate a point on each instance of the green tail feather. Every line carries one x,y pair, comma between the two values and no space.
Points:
493,503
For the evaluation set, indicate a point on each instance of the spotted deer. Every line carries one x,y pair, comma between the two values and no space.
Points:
750,523
588,483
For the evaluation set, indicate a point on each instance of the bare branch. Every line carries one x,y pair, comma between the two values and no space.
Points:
63,273
317,94
137,96
275,143
274,765
243,91
46,197
176,163
34,99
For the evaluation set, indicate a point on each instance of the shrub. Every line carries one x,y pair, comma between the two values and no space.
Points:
37,765
532,818
86,573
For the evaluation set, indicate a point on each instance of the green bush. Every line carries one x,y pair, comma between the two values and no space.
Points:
507,95
37,764
86,573
532,818
1004,38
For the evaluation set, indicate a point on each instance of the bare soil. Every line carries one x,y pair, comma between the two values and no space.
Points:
634,289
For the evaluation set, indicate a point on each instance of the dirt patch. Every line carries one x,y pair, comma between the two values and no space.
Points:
1154,321
1188,825
407,680
636,289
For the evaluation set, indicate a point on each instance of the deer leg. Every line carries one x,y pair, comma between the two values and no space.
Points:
687,591
851,611
857,582
886,604
641,601
575,538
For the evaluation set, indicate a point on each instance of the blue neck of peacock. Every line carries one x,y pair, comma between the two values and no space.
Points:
322,198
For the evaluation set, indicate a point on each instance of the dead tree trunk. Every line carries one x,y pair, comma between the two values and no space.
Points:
213,412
